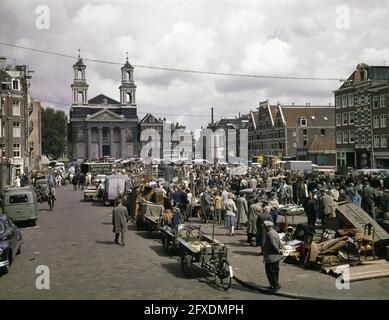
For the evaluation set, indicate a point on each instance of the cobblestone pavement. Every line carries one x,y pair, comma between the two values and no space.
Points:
75,242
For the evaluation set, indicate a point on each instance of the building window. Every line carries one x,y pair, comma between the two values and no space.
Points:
375,102
17,150
1,129
303,121
351,99
345,118
367,99
305,132
351,136
344,101
351,118
16,130
376,141
16,108
345,137
382,101
339,137
322,132
338,119
383,120
338,102
305,142
15,85
383,141
376,121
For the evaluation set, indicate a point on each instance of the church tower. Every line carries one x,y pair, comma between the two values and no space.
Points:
79,86
128,87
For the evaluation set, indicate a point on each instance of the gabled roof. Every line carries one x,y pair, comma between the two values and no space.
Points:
273,111
254,118
101,98
149,118
322,145
104,115
316,115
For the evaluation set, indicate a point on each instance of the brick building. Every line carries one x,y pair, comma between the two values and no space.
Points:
362,111
294,132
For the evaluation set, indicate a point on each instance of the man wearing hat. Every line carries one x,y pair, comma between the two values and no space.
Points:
272,255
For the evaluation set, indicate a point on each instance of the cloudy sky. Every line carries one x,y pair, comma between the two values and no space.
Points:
300,38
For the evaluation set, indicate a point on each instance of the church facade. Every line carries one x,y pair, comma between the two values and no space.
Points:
103,127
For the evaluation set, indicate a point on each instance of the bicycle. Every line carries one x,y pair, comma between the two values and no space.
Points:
50,201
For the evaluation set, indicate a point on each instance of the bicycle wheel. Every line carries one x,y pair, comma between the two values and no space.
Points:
224,273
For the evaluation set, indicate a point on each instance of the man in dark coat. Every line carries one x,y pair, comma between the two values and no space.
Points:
368,199
310,208
261,234
119,221
272,255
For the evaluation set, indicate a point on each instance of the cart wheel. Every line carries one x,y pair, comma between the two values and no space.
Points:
224,274
186,261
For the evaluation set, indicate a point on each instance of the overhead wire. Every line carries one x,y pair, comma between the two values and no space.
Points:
176,69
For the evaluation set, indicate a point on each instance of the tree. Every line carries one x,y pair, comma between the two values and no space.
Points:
54,133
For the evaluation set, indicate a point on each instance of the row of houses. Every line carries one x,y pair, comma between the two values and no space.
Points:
353,132
20,122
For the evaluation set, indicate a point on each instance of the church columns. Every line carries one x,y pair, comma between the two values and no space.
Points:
89,143
123,143
111,141
100,142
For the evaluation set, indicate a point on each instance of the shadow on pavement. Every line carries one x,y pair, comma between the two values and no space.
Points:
105,242
241,243
146,235
98,204
248,253
175,269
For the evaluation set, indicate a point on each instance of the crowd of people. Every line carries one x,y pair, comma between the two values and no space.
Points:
246,201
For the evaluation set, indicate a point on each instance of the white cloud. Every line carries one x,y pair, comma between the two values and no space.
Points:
274,57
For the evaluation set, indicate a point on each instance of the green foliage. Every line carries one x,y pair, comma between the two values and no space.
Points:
54,133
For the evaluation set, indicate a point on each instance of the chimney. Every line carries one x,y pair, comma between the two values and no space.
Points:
239,114
212,115
293,104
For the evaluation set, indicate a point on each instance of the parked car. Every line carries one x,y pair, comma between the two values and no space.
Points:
59,166
10,242
20,204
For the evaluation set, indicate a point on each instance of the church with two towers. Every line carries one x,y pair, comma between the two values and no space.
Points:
101,126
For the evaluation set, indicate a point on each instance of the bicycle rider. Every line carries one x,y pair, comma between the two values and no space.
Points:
51,195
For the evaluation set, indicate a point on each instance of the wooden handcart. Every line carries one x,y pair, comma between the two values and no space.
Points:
170,235
207,254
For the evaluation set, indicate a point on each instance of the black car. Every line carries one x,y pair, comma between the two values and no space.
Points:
10,242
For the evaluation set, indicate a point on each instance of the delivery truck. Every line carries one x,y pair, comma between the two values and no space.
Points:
296,165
